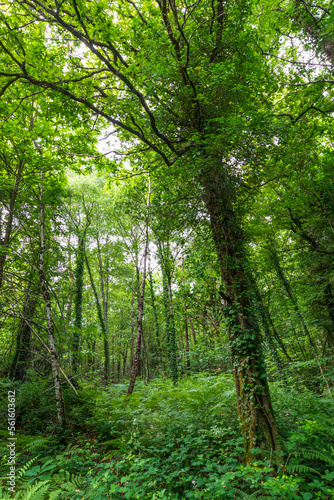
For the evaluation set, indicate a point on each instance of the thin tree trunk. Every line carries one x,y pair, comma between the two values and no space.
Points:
104,288
23,340
276,334
263,313
132,327
78,295
330,308
253,397
186,333
47,301
145,360
6,240
140,304
293,300
102,323
172,333
169,318
78,298
70,274
124,356
193,330
155,314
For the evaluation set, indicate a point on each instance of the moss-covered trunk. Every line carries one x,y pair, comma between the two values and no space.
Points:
254,403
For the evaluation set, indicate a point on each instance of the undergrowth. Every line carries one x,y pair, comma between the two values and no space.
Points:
173,443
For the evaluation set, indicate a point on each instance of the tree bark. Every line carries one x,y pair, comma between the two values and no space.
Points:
263,313
169,317
104,292
23,340
47,301
172,333
102,323
140,304
154,308
293,301
8,231
253,397
186,332
78,295
193,330
78,298
132,327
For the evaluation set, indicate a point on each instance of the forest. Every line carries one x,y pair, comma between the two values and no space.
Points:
166,249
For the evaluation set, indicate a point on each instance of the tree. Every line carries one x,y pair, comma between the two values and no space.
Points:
139,339
193,58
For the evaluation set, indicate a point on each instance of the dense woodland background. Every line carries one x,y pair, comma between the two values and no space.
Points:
166,248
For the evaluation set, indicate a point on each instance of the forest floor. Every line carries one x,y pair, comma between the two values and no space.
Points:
167,442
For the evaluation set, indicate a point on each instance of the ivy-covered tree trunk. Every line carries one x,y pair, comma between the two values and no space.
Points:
253,397
156,319
169,319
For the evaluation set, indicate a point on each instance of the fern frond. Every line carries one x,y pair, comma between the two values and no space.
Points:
300,468
35,443
252,496
22,470
36,491
54,495
313,454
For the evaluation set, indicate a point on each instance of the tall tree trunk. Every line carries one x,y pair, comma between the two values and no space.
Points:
8,231
155,314
124,356
276,334
293,300
47,302
132,327
172,333
169,317
70,274
140,304
193,330
104,287
78,298
102,323
23,340
144,350
268,334
329,301
78,292
253,397
186,333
